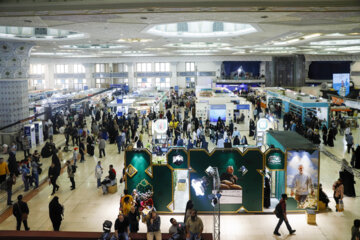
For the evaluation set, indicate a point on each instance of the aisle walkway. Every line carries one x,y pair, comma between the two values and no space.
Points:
86,208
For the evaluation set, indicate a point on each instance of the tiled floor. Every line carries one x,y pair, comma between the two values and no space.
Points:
86,208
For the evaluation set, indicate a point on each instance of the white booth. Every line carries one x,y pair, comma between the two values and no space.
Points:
29,132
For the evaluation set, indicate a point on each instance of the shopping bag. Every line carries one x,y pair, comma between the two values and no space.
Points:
341,206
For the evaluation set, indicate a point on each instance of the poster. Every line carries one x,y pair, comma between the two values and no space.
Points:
217,111
231,191
302,177
341,83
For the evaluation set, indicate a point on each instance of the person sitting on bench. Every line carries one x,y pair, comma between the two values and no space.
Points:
109,180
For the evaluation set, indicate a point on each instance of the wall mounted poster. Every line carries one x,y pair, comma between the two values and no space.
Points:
341,83
303,177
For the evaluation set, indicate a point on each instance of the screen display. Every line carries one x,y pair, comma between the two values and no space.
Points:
217,111
341,83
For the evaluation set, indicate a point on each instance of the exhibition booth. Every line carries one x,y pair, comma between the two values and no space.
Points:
300,104
219,102
250,181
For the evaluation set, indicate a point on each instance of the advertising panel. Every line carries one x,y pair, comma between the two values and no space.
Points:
341,83
302,177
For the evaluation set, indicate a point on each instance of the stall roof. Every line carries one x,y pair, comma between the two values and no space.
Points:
291,140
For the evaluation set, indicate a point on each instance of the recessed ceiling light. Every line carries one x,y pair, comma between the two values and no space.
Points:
314,35
336,42
134,40
38,34
198,45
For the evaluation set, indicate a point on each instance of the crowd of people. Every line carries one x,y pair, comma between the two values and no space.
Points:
185,130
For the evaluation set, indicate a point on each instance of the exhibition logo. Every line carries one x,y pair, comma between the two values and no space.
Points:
276,160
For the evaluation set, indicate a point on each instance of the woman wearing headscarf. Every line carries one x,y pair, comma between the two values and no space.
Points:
189,207
347,175
251,128
56,212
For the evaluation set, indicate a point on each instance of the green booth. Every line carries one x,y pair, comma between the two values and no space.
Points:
183,177
299,177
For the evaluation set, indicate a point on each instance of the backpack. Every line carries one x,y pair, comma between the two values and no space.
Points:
73,168
278,210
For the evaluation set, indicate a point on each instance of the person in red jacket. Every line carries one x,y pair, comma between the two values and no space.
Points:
283,217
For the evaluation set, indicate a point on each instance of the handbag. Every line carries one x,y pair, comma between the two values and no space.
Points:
341,205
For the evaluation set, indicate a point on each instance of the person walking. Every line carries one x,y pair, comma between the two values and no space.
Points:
338,189
281,214
98,173
4,170
76,155
355,230
35,172
194,226
71,173
9,184
56,213
349,141
52,174
21,212
102,144
82,150
153,222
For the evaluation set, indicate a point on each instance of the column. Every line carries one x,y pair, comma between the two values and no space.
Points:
14,67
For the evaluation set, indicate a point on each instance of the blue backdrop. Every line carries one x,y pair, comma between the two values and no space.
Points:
227,67
323,70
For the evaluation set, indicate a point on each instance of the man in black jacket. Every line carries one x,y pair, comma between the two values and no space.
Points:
53,175
21,212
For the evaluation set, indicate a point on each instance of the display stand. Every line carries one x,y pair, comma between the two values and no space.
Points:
29,132
39,133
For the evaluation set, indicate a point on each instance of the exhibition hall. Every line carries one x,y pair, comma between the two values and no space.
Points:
179,120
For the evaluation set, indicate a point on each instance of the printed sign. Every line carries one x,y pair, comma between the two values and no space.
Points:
275,160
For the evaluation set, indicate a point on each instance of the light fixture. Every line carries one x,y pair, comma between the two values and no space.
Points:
210,171
178,160
198,45
201,29
243,170
314,35
197,185
38,33
134,40
336,42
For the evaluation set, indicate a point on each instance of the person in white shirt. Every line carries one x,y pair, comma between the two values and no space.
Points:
98,173
236,133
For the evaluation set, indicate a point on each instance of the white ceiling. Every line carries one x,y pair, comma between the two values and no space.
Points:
278,32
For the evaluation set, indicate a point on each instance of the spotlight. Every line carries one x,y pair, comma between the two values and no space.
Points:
198,187
178,160
210,171
243,170
215,199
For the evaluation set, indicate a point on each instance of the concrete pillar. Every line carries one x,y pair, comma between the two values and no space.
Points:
14,67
